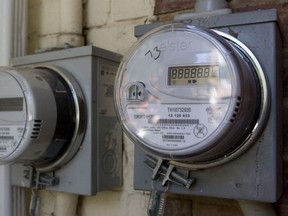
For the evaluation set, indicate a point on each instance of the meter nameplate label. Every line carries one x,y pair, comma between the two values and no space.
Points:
175,126
9,138
106,90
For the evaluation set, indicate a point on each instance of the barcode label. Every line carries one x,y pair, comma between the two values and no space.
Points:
173,137
174,121
6,137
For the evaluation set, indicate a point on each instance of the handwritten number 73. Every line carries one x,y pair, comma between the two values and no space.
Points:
155,53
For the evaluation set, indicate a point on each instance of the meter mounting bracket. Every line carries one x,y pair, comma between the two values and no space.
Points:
38,180
168,172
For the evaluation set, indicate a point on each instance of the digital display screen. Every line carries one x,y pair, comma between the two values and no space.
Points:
11,104
193,75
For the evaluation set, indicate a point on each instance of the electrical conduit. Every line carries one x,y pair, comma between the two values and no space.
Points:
6,35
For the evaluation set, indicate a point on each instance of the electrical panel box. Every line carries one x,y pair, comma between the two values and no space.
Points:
58,126
245,163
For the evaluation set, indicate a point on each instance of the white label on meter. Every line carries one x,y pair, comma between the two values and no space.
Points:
9,138
106,90
176,125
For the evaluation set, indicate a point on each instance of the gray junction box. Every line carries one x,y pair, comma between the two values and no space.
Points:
97,164
256,174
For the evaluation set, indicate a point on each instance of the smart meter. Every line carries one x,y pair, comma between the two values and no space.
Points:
191,95
41,116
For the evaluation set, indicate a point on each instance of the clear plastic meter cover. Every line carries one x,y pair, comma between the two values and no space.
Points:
186,93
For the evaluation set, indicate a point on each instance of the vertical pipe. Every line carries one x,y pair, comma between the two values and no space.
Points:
5,188
13,21
6,32
65,204
20,27
19,45
71,17
210,5
71,23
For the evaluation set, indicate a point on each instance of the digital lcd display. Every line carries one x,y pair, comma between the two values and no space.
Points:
193,75
11,104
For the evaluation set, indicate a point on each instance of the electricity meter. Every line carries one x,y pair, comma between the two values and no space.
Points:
191,95
42,121
202,100
58,127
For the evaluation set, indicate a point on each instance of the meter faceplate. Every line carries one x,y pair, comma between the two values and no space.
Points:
13,114
185,93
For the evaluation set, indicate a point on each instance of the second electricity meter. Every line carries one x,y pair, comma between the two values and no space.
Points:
41,117
191,94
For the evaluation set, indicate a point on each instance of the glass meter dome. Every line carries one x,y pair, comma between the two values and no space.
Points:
191,95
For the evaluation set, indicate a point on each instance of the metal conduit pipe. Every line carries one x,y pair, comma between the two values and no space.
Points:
209,5
13,36
5,187
71,23
6,32
19,49
65,204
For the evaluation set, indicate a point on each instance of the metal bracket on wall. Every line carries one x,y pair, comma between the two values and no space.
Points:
38,180
168,173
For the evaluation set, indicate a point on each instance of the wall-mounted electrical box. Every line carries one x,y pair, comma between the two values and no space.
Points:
202,101
58,126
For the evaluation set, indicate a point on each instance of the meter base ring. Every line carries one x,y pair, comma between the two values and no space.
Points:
52,116
64,127
79,119
259,126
